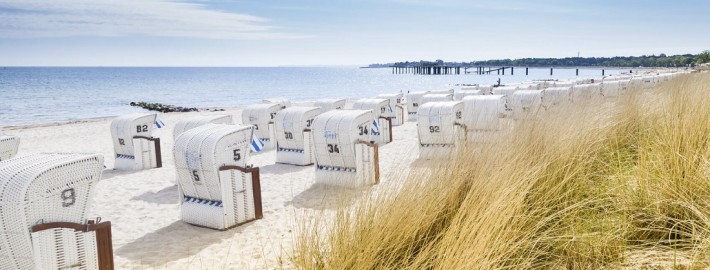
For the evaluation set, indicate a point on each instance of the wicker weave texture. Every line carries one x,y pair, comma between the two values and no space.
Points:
210,197
39,189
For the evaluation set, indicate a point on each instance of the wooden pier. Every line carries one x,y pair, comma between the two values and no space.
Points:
436,69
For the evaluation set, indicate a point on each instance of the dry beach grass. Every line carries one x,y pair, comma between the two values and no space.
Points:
599,184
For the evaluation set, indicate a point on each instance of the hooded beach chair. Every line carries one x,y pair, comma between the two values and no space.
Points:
344,156
294,143
43,223
413,103
484,116
381,128
217,187
261,116
526,104
396,110
440,128
133,143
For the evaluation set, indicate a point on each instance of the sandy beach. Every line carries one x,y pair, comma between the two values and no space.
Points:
143,205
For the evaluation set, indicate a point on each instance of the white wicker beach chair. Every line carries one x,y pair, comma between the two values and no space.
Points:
344,157
487,89
8,146
261,116
585,92
484,116
381,128
526,104
397,109
284,102
440,128
193,122
329,104
436,97
217,188
294,142
43,223
413,102
133,142
556,96
467,92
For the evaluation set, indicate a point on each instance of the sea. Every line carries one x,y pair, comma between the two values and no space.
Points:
40,95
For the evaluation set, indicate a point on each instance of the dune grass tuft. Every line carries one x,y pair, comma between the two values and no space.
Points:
595,184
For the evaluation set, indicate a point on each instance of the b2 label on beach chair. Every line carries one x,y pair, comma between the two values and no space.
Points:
134,146
344,157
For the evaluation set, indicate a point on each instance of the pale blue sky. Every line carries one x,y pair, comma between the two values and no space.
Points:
310,32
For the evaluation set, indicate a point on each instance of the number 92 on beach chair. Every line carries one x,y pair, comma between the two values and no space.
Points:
217,188
43,223
133,142
344,157
440,128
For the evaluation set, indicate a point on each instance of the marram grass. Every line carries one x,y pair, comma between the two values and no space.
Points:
607,183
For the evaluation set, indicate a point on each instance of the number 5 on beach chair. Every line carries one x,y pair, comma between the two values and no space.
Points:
217,188
43,223
133,143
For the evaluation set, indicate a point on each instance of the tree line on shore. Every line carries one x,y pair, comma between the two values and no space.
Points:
661,60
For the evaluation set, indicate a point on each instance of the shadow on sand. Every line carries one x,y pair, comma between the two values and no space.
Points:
168,195
176,241
320,196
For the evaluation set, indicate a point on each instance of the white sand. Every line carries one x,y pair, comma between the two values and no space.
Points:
143,205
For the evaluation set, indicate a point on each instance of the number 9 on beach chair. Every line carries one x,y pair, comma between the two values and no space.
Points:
395,111
133,143
294,143
8,146
440,128
43,223
261,116
217,188
344,157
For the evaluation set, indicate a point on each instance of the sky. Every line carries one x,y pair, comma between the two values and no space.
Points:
340,32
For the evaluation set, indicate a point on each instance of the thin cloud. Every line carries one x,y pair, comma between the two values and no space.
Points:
115,18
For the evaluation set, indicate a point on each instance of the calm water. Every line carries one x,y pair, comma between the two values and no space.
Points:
30,95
